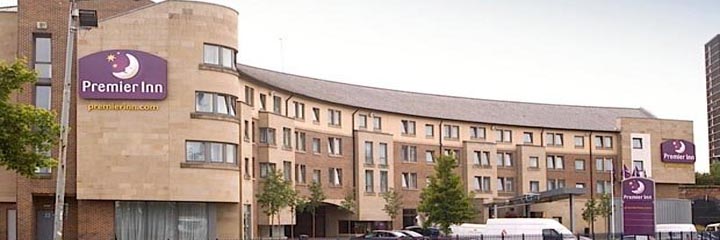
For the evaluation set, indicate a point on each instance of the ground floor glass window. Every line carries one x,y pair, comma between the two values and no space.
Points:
162,220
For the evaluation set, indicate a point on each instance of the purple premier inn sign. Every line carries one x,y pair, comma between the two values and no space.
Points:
638,196
122,75
677,151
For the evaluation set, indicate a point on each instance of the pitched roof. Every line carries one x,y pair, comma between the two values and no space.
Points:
447,107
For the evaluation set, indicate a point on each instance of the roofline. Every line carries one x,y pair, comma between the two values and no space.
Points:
259,82
658,119
448,96
164,2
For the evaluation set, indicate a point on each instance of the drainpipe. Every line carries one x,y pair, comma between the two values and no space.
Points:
592,181
542,137
354,153
286,104
440,136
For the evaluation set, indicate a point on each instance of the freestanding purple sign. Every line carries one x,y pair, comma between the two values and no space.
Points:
638,196
678,151
122,75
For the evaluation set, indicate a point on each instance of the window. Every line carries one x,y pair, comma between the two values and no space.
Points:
334,117
287,174
334,146
603,141
555,162
277,104
637,143
215,103
246,130
185,220
43,58
300,171
247,168
527,137
429,156
267,136
638,164
316,145
247,221
317,175
409,180
602,187
608,165
504,159
316,115
299,110
368,152
555,184
43,96
477,132
377,123
505,184
263,102
249,96
266,169
300,141
553,139
451,131
482,184
210,152
218,55
369,178
534,162
362,121
534,186
383,181
485,158
287,138
579,185
408,127
580,165
579,141
409,153
429,130
335,176
503,135
383,152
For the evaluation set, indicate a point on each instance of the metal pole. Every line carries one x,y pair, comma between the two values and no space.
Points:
612,201
572,213
65,126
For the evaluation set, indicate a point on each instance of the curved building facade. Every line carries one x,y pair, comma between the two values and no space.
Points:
172,139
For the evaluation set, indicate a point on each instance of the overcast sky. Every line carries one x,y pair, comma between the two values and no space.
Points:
603,53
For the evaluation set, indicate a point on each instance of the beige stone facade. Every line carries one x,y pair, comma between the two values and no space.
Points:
120,157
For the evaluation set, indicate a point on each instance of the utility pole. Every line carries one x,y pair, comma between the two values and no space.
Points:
65,123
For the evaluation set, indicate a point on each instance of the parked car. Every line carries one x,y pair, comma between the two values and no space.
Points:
383,235
549,229
715,227
412,234
430,232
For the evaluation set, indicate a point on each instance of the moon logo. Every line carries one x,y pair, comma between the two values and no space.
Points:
640,189
681,148
131,70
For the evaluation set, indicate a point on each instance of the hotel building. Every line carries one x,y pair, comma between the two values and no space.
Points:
171,139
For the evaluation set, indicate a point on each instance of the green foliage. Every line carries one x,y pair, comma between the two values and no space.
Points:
276,194
444,200
590,212
348,203
393,203
711,178
604,206
27,133
310,204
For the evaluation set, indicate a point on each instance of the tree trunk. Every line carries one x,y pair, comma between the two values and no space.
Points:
279,224
313,224
272,216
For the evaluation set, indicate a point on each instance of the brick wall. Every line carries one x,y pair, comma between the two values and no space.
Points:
692,192
96,220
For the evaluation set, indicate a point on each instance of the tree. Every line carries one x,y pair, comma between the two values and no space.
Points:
590,212
604,209
393,203
276,194
311,203
27,133
348,203
711,178
444,201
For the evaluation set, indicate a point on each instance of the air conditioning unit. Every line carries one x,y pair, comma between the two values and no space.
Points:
41,25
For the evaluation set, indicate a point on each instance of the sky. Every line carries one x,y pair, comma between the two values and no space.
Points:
646,53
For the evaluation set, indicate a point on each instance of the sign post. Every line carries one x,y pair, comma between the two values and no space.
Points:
638,195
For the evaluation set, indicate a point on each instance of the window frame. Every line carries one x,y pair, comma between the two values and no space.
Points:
208,153
220,55
230,103
639,141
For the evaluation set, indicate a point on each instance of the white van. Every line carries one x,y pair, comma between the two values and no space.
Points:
467,229
675,231
533,228
715,227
